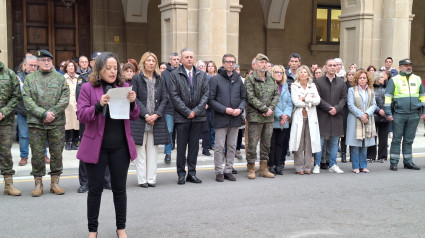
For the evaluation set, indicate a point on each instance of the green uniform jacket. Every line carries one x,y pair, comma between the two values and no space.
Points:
9,95
261,96
43,92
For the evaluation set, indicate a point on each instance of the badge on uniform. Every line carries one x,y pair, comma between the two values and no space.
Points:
412,84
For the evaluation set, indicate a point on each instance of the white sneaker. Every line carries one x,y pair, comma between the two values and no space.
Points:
335,169
316,169
390,135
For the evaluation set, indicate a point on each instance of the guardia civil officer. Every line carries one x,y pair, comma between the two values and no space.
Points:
404,105
46,95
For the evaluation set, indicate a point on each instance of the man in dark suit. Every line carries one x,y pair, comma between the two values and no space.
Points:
188,89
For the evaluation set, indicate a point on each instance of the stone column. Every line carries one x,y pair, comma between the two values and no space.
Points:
233,28
356,33
174,27
3,36
212,30
396,30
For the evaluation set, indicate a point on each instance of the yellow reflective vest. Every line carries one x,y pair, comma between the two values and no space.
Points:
404,94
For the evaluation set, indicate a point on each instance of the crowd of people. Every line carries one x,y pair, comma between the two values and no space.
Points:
313,112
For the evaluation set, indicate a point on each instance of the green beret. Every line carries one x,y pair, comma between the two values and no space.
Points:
44,54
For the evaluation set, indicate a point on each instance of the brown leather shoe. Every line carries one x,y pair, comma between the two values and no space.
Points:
46,159
23,161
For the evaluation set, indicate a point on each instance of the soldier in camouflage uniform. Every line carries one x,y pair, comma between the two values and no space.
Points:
9,98
263,96
46,95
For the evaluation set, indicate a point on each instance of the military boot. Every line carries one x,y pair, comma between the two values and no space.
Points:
54,186
8,186
264,170
38,188
251,170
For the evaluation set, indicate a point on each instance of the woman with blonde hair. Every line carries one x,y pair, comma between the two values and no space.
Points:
361,130
150,129
305,134
282,113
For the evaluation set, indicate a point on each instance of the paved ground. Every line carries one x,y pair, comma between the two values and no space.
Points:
382,203
70,163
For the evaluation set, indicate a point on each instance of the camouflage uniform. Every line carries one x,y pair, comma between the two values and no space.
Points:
9,98
43,92
261,96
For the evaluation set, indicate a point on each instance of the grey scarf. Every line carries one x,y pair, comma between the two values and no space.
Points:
150,100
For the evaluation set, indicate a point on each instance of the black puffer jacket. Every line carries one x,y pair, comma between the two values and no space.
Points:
160,130
166,75
186,97
226,92
380,101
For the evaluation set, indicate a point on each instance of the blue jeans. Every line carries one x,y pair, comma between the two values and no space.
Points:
333,150
170,125
24,136
358,157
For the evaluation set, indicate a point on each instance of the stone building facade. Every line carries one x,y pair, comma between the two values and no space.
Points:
368,30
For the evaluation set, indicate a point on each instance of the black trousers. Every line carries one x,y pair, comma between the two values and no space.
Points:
187,137
382,129
72,135
82,174
118,160
241,132
278,146
206,135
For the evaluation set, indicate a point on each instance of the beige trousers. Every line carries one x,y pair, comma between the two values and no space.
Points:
302,157
146,162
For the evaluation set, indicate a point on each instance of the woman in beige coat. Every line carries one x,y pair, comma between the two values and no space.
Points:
72,125
305,134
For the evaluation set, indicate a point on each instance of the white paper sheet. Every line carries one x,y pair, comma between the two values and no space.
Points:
119,104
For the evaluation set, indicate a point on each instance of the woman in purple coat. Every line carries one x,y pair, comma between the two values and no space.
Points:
105,141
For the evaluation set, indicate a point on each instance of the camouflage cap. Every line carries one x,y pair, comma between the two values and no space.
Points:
404,62
261,57
95,55
44,54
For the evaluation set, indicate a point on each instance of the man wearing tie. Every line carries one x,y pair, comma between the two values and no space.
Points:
189,93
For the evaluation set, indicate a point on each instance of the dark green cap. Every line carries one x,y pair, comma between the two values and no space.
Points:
404,62
44,54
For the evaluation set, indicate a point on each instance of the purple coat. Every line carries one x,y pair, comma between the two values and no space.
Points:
95,124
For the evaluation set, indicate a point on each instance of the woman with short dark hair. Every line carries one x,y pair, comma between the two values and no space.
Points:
380,80
72,126
106,141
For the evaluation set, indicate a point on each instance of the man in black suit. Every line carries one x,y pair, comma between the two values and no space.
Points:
188,89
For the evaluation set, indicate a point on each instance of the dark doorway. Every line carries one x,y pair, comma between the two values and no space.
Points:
49,24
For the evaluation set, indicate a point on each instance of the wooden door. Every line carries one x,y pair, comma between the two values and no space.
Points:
49,24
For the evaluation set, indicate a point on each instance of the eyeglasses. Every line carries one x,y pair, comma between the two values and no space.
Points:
278,72
45,60
331,65
201,66
32,65
230,62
